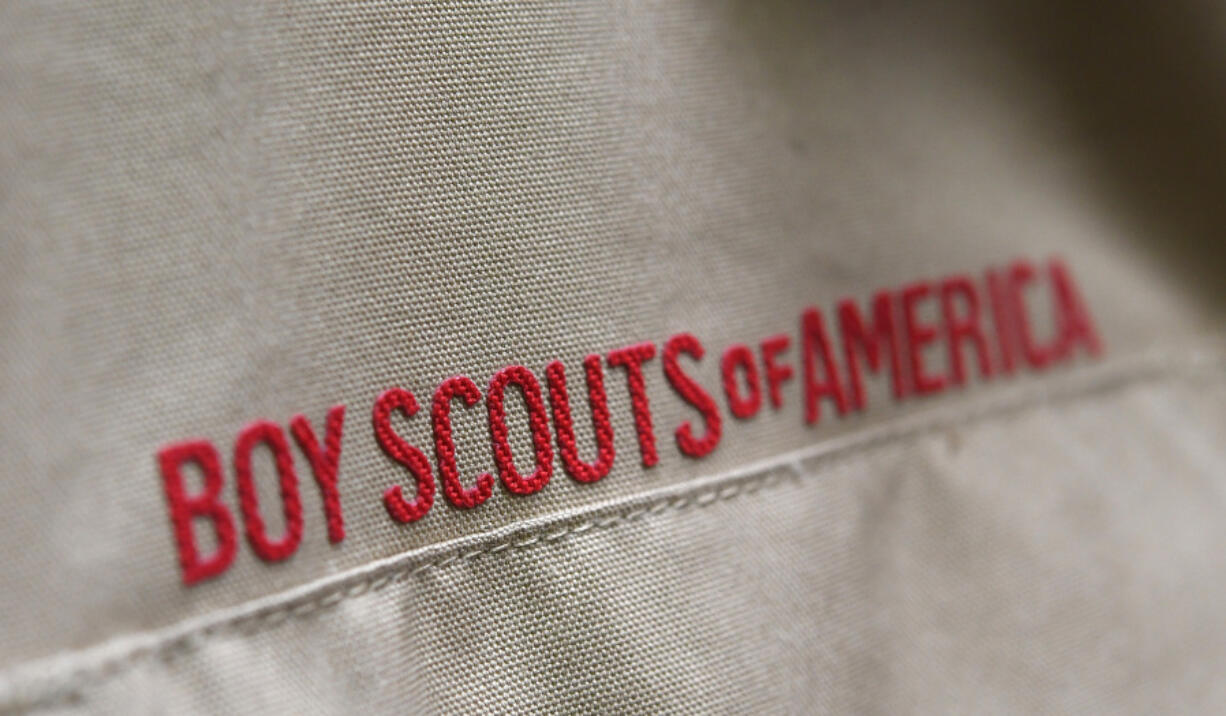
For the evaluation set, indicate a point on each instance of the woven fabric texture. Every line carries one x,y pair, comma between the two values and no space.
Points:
219,212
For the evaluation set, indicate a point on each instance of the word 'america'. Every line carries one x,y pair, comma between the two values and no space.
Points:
982,325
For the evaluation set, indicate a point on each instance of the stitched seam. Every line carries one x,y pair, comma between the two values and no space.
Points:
67,686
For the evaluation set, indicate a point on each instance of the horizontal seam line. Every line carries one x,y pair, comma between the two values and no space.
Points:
313,597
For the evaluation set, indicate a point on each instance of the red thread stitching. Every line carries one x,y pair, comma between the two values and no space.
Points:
324,464
400,509
270,434
555,376
538,420
632,358
854,333
183,508
1006,331
1021,273
899,328
739,355
1073,316
60,687
776,374
444,444
694,394
959,328
813,332
919,335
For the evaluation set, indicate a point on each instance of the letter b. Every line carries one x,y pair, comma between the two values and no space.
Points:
184,509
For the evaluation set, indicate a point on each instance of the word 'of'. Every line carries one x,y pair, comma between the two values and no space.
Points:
985,324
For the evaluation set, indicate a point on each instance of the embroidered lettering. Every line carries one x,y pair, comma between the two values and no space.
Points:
207,504
776,373
1021,275
816,347
324,464
411,458
879,336
264,432
1002,315
581,471
694,394
933,335
1072,316
632,359
919,335
739,356
538,420
962,325
444,444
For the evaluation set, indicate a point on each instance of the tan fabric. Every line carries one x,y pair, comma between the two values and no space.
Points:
215,212
909,570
